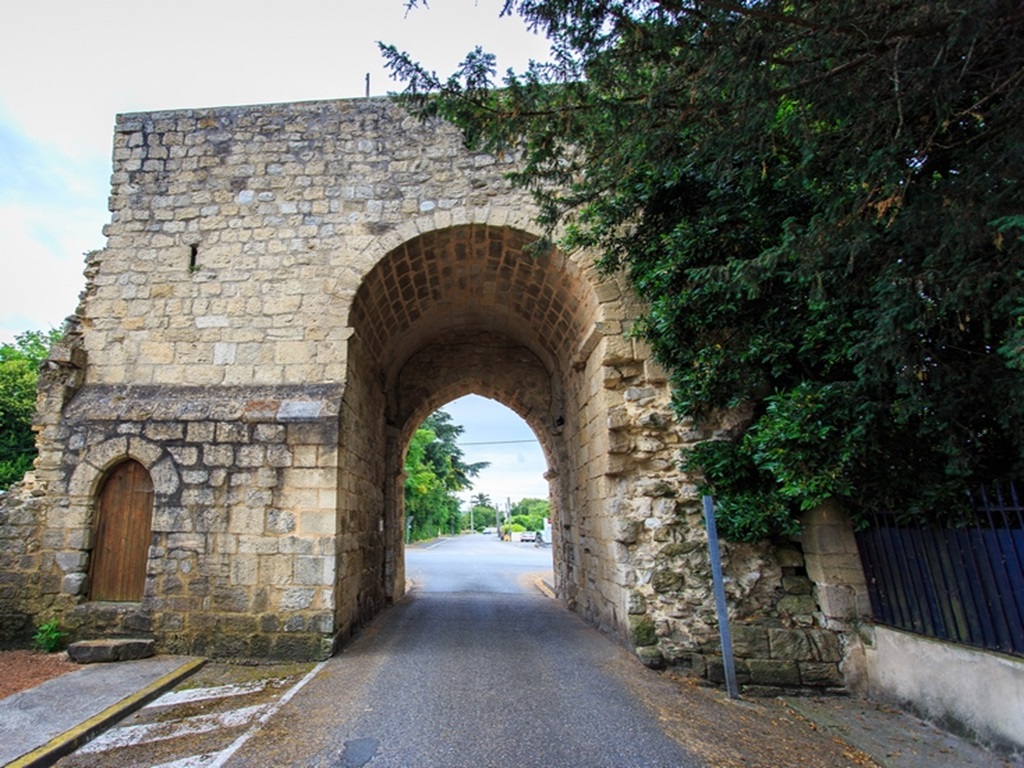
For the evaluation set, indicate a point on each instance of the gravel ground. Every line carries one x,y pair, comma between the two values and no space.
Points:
746,733
21,669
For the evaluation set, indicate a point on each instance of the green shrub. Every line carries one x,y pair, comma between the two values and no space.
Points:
48,638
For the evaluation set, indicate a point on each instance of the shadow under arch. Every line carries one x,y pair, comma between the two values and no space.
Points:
463,310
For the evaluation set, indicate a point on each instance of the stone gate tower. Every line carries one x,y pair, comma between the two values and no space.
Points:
286,292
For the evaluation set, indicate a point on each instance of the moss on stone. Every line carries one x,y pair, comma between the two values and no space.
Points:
642,629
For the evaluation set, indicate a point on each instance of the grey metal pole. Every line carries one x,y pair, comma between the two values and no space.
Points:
723,614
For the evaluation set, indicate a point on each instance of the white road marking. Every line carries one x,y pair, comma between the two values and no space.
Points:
131,735
226,754
202,694
138,734
196,761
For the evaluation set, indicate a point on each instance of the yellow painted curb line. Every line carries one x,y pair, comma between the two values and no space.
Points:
70,740
544,588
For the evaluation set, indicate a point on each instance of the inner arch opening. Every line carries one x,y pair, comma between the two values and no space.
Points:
452,312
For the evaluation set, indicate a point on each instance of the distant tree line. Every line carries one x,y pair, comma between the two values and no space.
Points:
525,515
435,473
19,374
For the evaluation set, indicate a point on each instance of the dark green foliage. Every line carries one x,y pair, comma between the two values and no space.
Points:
481,500
19,372
531,506
821,204
435,472
528,522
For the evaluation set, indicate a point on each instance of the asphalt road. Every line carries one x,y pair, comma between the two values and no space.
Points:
476,667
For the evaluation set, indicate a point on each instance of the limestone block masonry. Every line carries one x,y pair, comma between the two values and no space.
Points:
285,293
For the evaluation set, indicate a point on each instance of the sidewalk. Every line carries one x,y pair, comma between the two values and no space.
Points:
893,738
42,724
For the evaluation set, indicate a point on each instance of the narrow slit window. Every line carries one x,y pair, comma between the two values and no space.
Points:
193,255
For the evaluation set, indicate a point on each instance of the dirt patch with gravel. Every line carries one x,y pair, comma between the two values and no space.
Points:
21,669
748,733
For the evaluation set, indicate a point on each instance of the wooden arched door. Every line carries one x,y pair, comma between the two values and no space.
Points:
124,527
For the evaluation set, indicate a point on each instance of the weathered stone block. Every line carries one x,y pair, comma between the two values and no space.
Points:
825,645
231,599
714,668
73,584
790,644
827,531
789,557
218,455
297,599
313,570
839,601
650,656
750,642
798,605
681,549
637,604
820,674
250,456
765,672
71,562
121,649
625,531
797,585
838,569
667,581
280,521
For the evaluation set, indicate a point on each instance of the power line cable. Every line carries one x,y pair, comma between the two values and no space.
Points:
502,442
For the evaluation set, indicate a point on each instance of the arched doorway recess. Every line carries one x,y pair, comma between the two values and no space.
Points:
123,529
467,310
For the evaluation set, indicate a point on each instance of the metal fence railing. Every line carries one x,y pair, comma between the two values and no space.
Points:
965,585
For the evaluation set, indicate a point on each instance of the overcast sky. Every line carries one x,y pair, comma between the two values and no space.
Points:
69,66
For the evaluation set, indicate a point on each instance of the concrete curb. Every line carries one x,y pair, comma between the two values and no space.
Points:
546,588
72,739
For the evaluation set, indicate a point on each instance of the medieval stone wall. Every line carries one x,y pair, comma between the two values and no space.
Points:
286,292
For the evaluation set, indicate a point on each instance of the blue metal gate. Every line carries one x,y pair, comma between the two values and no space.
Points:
965,585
